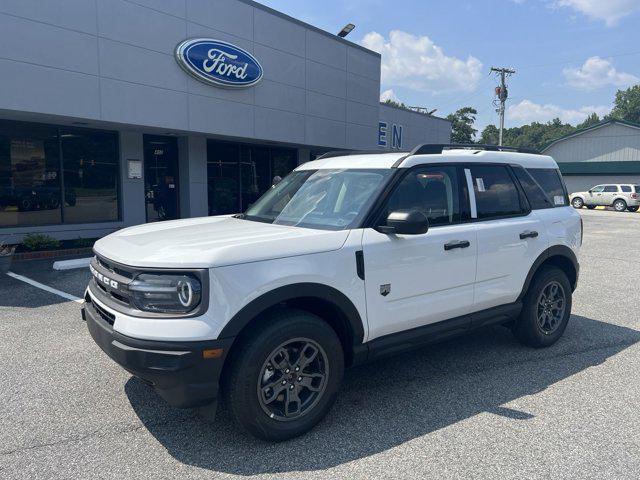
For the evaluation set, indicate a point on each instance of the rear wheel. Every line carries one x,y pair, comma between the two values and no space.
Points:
577,202
285,376
633,209
620,205
546,309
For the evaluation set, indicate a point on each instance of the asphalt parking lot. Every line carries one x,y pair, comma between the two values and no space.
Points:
474,407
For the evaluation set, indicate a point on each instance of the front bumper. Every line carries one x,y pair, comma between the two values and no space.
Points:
178,371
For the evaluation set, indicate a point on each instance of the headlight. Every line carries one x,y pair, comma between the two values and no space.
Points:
166,293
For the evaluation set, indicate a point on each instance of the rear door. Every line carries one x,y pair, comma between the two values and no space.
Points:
510,235
415,280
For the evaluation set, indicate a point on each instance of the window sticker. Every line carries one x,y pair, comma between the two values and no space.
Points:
480,183
558,200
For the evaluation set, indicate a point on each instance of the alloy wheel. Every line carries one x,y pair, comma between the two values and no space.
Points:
551,307
293,379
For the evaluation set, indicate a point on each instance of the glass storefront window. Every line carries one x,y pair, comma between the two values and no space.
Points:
238,174
90,162
31,181
29,176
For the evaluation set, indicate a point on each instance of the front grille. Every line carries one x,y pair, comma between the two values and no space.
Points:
108,317
122,275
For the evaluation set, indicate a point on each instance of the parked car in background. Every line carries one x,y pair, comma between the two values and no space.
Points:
619,196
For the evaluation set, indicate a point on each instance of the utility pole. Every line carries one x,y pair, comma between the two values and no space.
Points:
502,94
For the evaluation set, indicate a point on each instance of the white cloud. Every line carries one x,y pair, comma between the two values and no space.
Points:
419,64
389,95
611,11
597,72
527,111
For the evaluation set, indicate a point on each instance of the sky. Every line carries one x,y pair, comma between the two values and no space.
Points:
570,56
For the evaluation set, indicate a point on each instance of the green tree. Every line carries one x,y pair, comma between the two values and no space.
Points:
490,135
589,121
627,105
462,121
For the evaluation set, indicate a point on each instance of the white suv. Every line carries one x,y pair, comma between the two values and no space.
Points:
349,258
619,196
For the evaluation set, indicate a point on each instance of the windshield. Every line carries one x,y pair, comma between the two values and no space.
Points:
325,199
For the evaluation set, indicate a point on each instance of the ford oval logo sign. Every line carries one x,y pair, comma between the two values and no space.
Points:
218,63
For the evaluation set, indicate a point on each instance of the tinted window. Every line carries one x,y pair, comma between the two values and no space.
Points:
637,187
551,182
496,194
610,188
91,174
536,196
432,190
31,190
625,188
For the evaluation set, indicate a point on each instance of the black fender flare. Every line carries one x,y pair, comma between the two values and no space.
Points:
290,292
555,251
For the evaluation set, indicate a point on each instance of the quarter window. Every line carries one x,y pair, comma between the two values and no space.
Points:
626,188
551,183
496,193
536,196
432,190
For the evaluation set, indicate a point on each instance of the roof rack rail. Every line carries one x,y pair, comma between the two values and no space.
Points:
435,148
346,153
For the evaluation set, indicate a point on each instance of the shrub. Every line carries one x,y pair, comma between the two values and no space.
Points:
40,241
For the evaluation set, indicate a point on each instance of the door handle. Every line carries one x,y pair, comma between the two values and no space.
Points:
528,234
456,244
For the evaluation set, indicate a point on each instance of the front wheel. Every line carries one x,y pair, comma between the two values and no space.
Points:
546,309
285,375
577,202
620,205
633,209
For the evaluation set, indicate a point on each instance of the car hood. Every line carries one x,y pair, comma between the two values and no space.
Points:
213,242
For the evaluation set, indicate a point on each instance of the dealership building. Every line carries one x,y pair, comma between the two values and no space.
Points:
119,112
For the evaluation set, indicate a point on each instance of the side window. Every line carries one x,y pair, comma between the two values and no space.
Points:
551,182
626,188
432,190
637,188
536,196
597,188
610,188
496,193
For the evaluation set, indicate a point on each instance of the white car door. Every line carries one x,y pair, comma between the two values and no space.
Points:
594,196
609,194
415,280
510,236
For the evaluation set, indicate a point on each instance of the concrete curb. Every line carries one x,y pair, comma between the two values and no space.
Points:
71,264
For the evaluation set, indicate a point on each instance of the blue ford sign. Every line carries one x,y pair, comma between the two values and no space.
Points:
218,63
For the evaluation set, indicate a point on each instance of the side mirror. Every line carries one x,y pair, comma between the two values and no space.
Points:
590,191
405,222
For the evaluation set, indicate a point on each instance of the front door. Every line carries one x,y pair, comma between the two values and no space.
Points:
414,280
594,196
161,177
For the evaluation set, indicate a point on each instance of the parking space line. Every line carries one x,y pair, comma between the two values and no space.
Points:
47,288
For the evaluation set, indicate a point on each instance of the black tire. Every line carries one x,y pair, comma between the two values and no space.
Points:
252,361
577,202
591,207
633,209
528,329
619,205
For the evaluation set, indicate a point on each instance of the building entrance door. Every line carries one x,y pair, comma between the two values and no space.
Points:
161,177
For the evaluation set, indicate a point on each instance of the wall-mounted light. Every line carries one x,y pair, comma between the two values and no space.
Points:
346,30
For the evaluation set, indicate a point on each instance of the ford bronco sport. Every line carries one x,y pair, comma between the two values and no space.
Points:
351,257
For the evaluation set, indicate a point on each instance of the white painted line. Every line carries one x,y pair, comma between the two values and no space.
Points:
71,264
47,288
